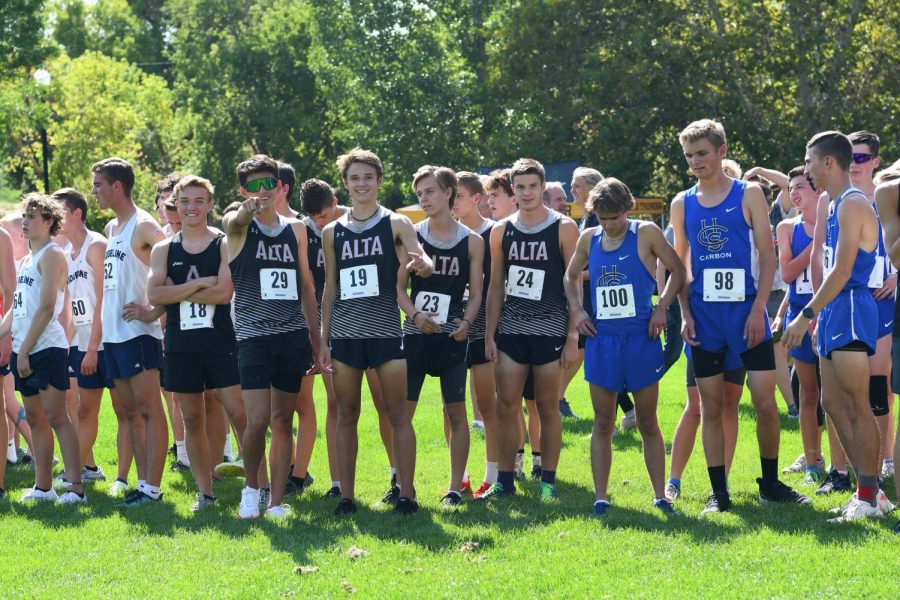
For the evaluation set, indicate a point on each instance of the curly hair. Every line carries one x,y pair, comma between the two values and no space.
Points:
47,207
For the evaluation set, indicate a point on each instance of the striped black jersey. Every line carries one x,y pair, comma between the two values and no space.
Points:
266,279
315,255
366,263
479,323
443,292
535,301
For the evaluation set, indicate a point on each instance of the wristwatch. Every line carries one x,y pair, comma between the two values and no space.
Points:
808,313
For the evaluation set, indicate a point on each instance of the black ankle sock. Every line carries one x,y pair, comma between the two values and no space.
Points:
95,468
548,477
507,479
535,453
717,479
769,470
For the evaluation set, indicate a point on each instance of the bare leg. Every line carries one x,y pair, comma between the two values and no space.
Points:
15,410
42,449
144,387
214,428
306,428
768,425
783,375
730,409
645,404
569,374
54,403
712,390
124,447
88,414
331,427
281,421
604,402
534,423
458,442
193,410
546,391
347,384
384,424
809,405
510,380
473,392
392,375
258,407
137,427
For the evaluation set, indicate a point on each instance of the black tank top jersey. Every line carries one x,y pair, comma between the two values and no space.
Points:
315,256
355,249
479,324
450,277
534,248
182,267
269,261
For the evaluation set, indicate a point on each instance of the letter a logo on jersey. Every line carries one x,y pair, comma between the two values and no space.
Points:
612,277
193,273
712,236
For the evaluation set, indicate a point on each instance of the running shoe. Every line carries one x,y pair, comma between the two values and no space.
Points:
345,507
118,488
234,468
629,421
92,475
452,499
333,492
264,495
61,483
295,485
178,466
249,508
779,493
12,457
466,486
793,412
798,466
405,506
548,492
672,492
391,497
141,499
600,509
884,504
812,478
477,494
536,472
36,495
495,491
477,425
717,503
887,468
72,498
834,482
173,451
278,513
857,510
565,411
203,501
520,465
665,506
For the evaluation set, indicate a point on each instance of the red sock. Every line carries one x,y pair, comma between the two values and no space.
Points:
867,493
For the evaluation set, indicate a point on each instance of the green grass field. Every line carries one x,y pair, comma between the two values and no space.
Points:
515,548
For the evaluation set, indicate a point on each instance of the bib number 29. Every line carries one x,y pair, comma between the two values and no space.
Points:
278,284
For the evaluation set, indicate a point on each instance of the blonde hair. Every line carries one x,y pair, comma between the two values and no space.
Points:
732,168
48,208
194,181
704,129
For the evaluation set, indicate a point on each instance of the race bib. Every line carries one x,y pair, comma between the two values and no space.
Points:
192,315
436,305
723,285
110,274
803,284
829,261
523,282
359,282
876,277
82,311
278,284
615,302
20,311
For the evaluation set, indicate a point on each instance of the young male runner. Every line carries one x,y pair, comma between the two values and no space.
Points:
720,224
795,236
437,319
883,283
623,351
484,384
131,330
87,362
847,326
529,253
189,275
360,322
39,349
887,196
276,325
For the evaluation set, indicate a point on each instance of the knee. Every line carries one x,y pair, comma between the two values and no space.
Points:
397,414
192,421
603,428
58,418
647,424
347,414
34,420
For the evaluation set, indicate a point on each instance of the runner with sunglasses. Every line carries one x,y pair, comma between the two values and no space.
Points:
276,323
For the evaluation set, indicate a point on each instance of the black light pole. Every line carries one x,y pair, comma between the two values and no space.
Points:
44,152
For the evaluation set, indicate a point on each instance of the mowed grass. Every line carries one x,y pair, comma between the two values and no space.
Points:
514,548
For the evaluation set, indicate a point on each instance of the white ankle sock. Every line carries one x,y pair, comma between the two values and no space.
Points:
181,453
490,472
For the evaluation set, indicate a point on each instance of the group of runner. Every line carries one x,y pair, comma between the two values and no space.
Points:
496,281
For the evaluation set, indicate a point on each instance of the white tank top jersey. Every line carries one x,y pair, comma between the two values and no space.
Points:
125,281
82,296
27,300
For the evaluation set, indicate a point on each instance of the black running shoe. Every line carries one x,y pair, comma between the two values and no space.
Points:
405,506
778,492
392,495
565,410
345,507
717,503
178,466
173,451
834,482
536,472
293,486
334,492
451,499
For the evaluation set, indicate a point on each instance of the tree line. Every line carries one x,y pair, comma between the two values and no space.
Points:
197,85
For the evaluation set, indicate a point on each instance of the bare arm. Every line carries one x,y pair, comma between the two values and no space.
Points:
887,197
497,287
776,177
476,283
307,287
328,293
8,283
666,255
53,270
222,291
852,215
791,266
159,292
817,257
572,284
404,231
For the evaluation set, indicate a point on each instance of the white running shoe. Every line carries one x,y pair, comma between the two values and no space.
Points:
887,468
72,498
884,505
520,466
839,510
12,457
249,508
60,483
91,475
858,510
278,513
118,488
799,465
36,495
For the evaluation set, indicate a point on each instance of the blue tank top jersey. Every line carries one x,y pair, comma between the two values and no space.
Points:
620,285
864,262
719,237
799,241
